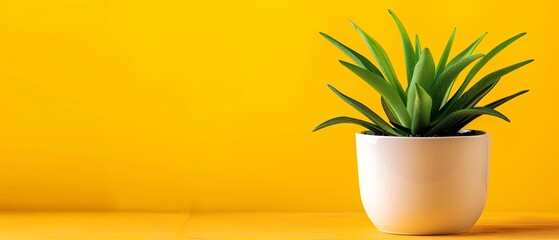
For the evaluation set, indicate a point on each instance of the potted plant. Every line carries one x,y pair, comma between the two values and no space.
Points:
420,172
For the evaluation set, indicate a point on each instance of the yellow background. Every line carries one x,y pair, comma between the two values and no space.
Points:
187,105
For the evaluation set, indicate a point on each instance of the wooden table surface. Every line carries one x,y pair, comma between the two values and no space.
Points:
247,226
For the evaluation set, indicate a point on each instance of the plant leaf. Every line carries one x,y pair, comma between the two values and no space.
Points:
477,67
444,57
422,110
467,52
359,59
409,54
417,48
449,121
471,97
441,85
404,131
423,74
492,105
366,111
502,101
338,120
385,90
389,112
383,61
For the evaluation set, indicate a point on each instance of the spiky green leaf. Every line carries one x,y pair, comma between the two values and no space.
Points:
385,91
409,54
367,112
467,52
471,97
447,78
477,67
384,62
422,110
444,57
417,47
359,59
339,120
502,101
493,105
388,111
450,120
404,131
423,74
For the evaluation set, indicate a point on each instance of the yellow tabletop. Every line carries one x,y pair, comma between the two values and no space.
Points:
269,226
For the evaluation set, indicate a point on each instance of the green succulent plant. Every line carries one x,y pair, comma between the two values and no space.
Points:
425,107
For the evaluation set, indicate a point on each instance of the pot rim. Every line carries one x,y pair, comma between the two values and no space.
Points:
484,134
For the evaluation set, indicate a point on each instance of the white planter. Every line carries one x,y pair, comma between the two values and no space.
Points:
423,185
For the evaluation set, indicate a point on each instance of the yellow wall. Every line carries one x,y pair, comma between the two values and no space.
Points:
162,105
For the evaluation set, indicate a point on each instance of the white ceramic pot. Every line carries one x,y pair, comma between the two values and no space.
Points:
423,185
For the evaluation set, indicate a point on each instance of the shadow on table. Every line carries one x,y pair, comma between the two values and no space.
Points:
516,230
